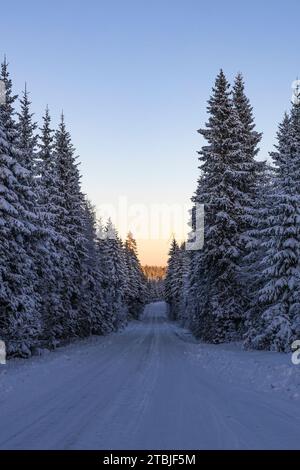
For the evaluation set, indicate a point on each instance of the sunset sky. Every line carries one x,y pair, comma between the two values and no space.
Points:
133,78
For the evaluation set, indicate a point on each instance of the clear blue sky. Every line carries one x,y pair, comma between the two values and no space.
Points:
133,78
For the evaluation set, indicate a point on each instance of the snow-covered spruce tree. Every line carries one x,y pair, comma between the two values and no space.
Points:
183,285
136,282
178,285
170,272
7,108
173,283
93,293
250,137
155,290
253,184
103,264
277,322
114,274
219,307
253,170
255,249
70,225
155,282
27,146
20,322
50,249
191,279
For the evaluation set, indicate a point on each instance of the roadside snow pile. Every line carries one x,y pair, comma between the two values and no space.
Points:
34,372
262,370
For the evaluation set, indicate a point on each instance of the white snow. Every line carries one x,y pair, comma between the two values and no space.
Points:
151,386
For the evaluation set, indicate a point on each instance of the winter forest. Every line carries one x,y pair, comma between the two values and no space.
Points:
63,275
245,282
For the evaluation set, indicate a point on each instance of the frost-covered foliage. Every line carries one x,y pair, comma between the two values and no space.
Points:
20,320
174,284
58,278
277,323
219,305
114,274
155,282
245,282
136,281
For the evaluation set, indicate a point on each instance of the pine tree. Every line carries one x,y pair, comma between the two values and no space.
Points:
20,319
69,224
136,287
277,322
57,280
173,278
97,318
219,308
114,274
49,249
46,174
7,108
253,170
253,185
250,137
183,285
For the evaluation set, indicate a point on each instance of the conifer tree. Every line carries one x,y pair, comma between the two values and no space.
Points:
171,283
70,226
276,322
97,319
7,107
253,185
135,286
219,308
20,320
49,250
114,274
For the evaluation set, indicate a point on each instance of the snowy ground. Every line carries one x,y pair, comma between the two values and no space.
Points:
151,386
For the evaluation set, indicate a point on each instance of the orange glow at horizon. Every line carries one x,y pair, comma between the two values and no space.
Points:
153,252
153,226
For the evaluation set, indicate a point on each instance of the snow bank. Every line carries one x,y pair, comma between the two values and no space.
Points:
260,370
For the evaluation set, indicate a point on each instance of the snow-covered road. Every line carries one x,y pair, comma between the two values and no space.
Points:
143,388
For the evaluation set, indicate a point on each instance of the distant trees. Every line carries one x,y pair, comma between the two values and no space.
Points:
136,281
154,272
61,276
155,282
245,282
174,279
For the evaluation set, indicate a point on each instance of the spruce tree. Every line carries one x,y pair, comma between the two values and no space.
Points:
97,320
7,107
135,286
253,185
114,274
50,249
173,278
219,308
20,319
183,285
69,225
276,322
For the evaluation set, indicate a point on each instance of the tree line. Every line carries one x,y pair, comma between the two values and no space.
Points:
245,281
155,276
62,274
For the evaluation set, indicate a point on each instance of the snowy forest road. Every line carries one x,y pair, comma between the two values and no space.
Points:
137,389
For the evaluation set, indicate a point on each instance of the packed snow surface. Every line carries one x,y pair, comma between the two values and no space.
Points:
151,386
